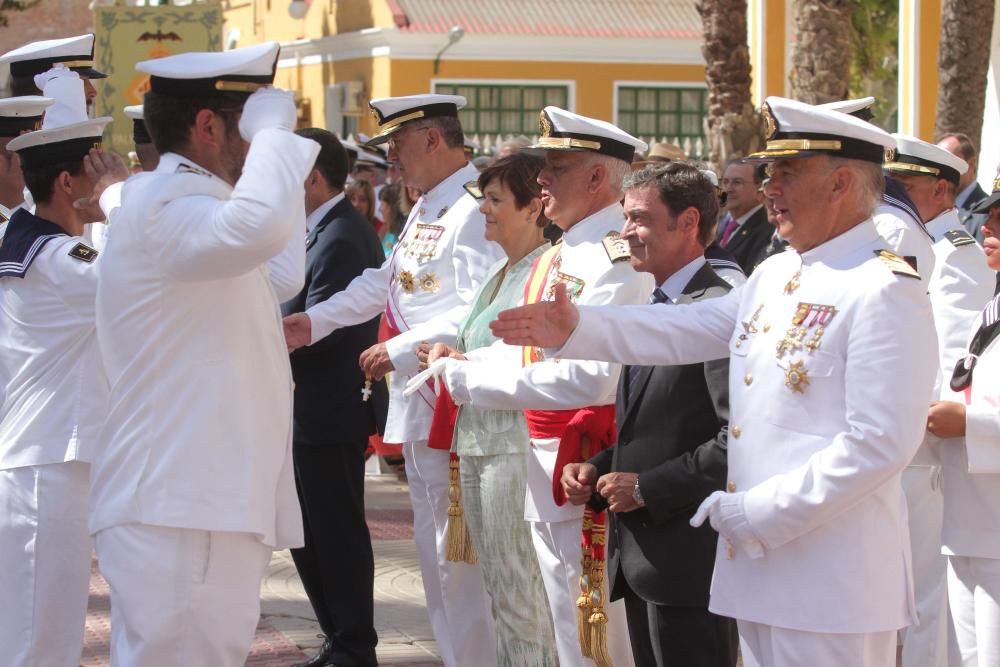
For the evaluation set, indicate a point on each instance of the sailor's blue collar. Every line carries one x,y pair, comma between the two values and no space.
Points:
26,235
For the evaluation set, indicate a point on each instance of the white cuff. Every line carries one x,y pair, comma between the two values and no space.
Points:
735,527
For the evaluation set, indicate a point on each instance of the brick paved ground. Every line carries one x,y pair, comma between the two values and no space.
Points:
288,631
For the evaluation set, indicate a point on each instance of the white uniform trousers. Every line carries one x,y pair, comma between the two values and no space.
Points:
457,602
44,564
557,545
769,646
974,596
181,596
925,644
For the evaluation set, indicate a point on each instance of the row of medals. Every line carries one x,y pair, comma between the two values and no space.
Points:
809,318
423,247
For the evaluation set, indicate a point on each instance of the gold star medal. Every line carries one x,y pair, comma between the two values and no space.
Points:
430,283
796,377
406,281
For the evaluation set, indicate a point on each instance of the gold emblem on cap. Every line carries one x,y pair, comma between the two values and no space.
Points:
238,86
544,125
770,124
996,183
375,114
890,155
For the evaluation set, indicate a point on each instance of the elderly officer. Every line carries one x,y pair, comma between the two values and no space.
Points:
76,53
424,288
970,423
959,286
826,401
194,488
17,115
53,389
586,164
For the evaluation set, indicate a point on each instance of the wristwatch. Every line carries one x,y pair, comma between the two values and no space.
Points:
637,495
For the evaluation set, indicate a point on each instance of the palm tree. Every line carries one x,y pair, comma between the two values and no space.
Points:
821,59
963,60
733,127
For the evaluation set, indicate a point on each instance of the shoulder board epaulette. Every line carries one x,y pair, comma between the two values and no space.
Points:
472,187
959,237
184,168
616,247
3,218
897,264
83,252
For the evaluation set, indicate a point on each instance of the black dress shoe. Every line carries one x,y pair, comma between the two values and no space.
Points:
321,659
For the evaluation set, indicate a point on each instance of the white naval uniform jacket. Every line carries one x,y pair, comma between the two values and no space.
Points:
53,390
199,429
971,465
426,286
959,286
494,378
820,467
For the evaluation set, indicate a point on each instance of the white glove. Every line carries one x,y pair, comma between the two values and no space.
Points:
266,109
58,71
435,370
725,512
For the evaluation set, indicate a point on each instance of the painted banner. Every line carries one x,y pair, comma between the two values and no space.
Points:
127,35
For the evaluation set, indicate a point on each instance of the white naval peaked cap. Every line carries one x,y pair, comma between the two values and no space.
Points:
561,130
140,135
914,156
370,159
859,108
796,129
392,112
77,53
22,114
213,74
67,133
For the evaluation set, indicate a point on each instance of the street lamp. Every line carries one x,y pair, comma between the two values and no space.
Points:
456,33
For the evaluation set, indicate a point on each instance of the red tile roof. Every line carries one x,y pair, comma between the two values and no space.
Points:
677,19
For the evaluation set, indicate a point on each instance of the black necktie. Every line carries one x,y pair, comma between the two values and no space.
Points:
961,378
634,372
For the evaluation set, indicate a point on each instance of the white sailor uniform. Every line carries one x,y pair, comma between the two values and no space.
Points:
495,379
54,399
822,347
424,289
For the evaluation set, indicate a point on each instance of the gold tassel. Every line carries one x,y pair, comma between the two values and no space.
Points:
460,548
598,620
583,602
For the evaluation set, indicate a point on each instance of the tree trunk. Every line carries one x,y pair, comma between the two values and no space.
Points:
963,60
734,127
821,59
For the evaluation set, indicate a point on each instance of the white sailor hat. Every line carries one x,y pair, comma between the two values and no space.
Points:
859,108
392,112
67,133
77,53
914,156
796,130
369,159
238,72
561,130
990,202
22,114
140,135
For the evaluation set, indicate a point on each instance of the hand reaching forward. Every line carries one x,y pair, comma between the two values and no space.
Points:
103,169
298,331
427,353
543,324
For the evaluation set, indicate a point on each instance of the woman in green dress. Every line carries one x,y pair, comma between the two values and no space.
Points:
493,444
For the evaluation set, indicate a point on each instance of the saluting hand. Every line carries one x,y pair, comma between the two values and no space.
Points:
298,331
375,361
578,482
946,419
103,169
618,488
543,324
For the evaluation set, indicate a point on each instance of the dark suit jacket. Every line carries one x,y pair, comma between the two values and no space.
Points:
748,242
973,222
673,432
976,196
328,380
